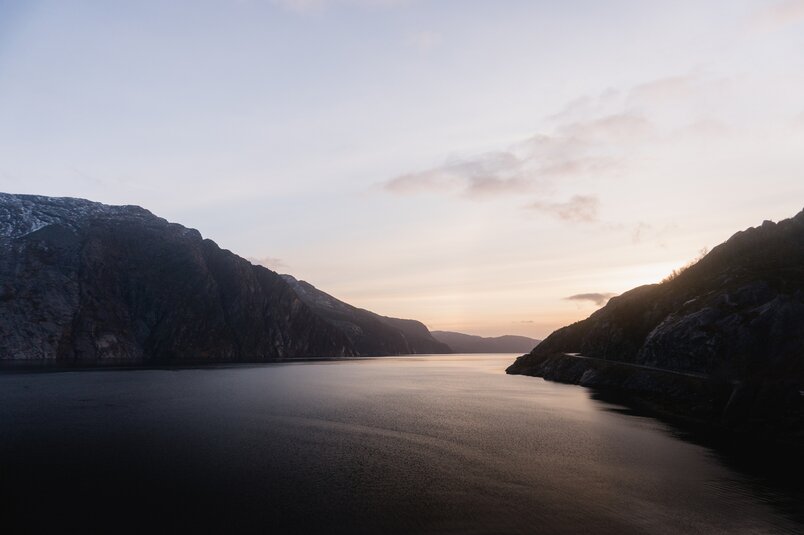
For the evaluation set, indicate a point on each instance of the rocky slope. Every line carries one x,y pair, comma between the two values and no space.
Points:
467,343
723,340
85,282
370,333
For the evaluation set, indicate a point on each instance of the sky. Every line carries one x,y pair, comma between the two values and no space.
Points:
490,167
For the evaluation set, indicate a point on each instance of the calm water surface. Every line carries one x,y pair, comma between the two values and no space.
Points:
441,444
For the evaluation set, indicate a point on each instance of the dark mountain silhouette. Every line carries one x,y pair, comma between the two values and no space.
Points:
722,341
468,343
369,333
90,283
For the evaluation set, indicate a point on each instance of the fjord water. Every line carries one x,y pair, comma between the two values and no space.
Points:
435,444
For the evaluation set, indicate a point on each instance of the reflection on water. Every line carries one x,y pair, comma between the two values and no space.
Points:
411,444
770,471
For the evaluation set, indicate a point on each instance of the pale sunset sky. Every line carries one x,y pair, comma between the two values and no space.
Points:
470,164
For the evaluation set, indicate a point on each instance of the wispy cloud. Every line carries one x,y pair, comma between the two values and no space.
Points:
575,149
488,174
579,209
585,106
779,15
705,128
691,92
666,89
598,299
588,142
424,41
614,128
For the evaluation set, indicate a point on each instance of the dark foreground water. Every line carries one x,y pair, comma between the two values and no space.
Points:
446,444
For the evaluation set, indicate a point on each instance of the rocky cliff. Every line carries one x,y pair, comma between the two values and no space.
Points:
86,282
724,338
370,333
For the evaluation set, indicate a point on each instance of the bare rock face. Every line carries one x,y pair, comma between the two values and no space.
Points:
735,320
85,282
370,333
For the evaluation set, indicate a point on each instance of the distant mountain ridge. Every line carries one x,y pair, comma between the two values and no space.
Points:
723,339
468,343
85,282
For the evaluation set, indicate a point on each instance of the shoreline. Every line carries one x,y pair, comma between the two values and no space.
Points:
52,365
758,414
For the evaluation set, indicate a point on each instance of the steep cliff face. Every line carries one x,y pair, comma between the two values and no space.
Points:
370,333
734,320
81,281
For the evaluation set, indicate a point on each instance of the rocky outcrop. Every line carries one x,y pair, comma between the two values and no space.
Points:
370,333
726,333
90,283
468,343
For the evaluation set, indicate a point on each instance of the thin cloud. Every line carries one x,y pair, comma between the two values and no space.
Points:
424,41
489,174
692,97
590,139
580,106
598,299
585,106
486,186
666,89
577,149
432,180
705,128
579,209
589,165
619,127
779,15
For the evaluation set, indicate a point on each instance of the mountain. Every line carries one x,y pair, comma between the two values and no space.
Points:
723,341
369,333
85,282
467,343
